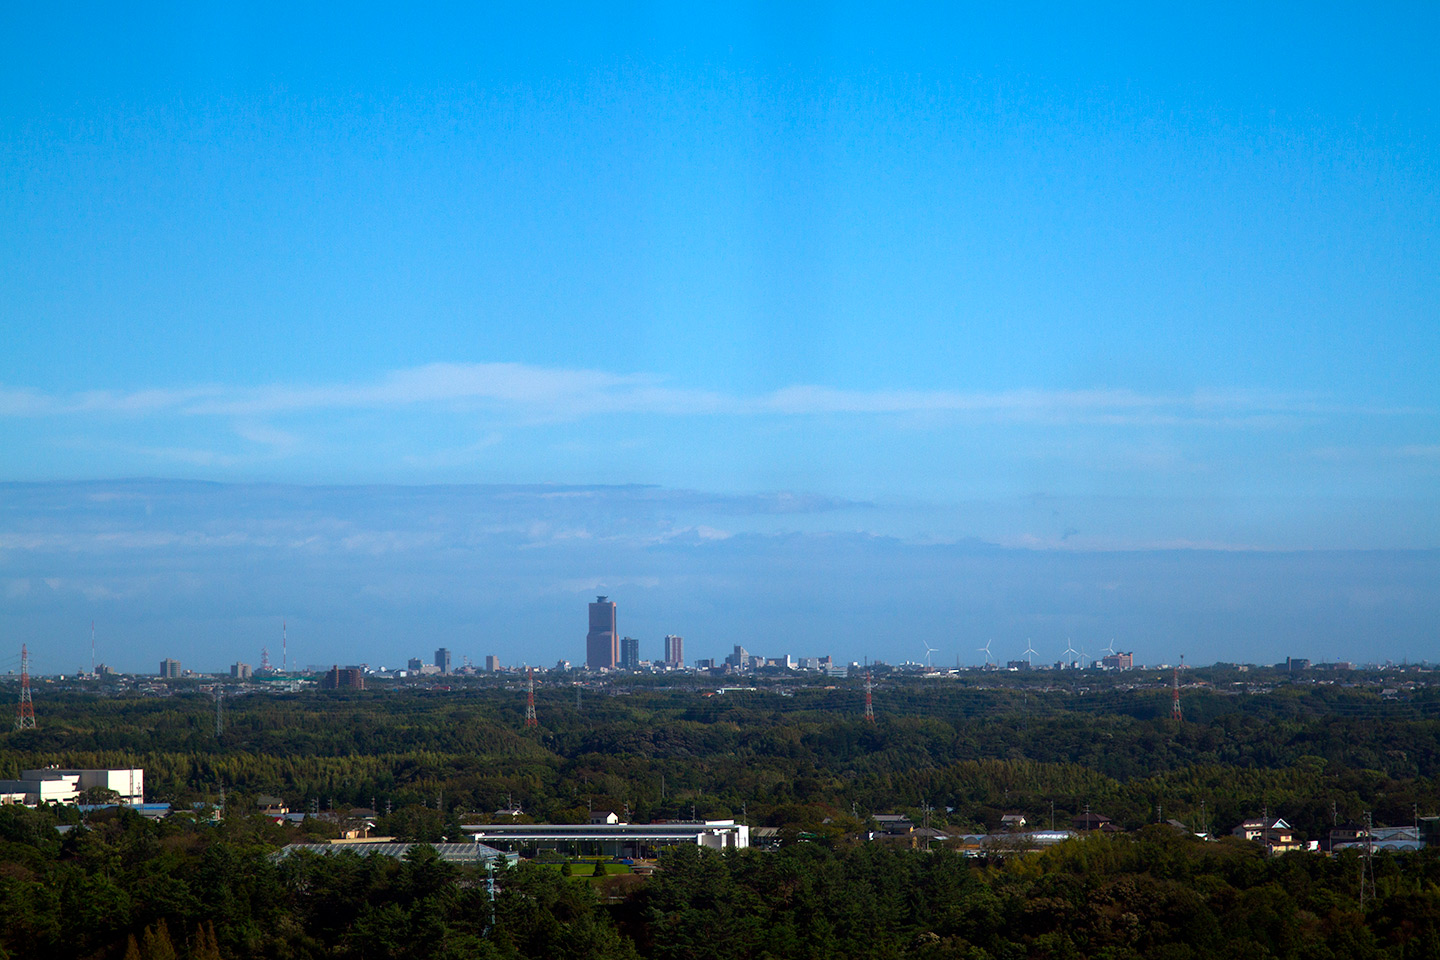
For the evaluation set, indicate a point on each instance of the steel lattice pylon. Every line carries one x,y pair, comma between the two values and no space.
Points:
25,714
530,719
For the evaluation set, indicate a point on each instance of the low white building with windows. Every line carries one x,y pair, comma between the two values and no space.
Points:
613,839
56,785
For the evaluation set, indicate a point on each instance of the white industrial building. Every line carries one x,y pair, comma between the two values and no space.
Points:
614,839
56,785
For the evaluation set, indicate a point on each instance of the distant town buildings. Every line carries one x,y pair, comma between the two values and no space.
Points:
739,658
169,669
602,644
442,659
343,678
630,653
1118,661
675,652
240,671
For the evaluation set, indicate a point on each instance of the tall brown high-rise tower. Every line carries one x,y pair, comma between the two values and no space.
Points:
602,643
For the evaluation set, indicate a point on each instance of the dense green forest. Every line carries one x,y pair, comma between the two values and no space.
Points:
1309,753
801,759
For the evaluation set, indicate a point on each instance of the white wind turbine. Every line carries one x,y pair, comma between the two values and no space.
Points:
928,651
1030,652
986,650
1070,651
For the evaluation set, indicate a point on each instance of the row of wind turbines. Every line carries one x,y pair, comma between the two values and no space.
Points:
1070,654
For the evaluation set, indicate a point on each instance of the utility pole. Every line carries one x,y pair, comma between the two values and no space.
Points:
1367,870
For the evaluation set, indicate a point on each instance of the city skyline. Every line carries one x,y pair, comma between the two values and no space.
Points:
506,571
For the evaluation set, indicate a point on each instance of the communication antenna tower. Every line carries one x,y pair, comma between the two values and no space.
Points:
869,698
1175,693
265,659
530,719
219,712
284,649
25,714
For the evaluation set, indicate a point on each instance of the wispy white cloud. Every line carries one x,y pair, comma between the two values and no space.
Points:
527,392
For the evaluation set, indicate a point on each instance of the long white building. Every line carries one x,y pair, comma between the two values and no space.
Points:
56,785
619,839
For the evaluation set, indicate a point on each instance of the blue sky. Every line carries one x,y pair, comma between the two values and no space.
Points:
1107,280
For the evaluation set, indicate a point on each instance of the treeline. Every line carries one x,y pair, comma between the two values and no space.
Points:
783,761
122,887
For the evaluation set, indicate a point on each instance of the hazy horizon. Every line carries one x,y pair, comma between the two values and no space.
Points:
207,572
827,329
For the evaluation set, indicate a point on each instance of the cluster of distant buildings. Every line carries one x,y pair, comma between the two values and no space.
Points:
1272,833
607,650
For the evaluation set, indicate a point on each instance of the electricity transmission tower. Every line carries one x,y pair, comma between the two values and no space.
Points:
25,713
530,719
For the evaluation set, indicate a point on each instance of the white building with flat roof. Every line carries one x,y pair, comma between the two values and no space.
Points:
54,785
617,839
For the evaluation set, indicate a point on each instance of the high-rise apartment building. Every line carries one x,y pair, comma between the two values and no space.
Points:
602,643
492,663
343,678
675,652
170,669
442,659
240,671
630,653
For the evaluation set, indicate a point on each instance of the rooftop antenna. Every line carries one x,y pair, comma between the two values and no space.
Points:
928,651
986,650
1030,651
25,713
530,719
